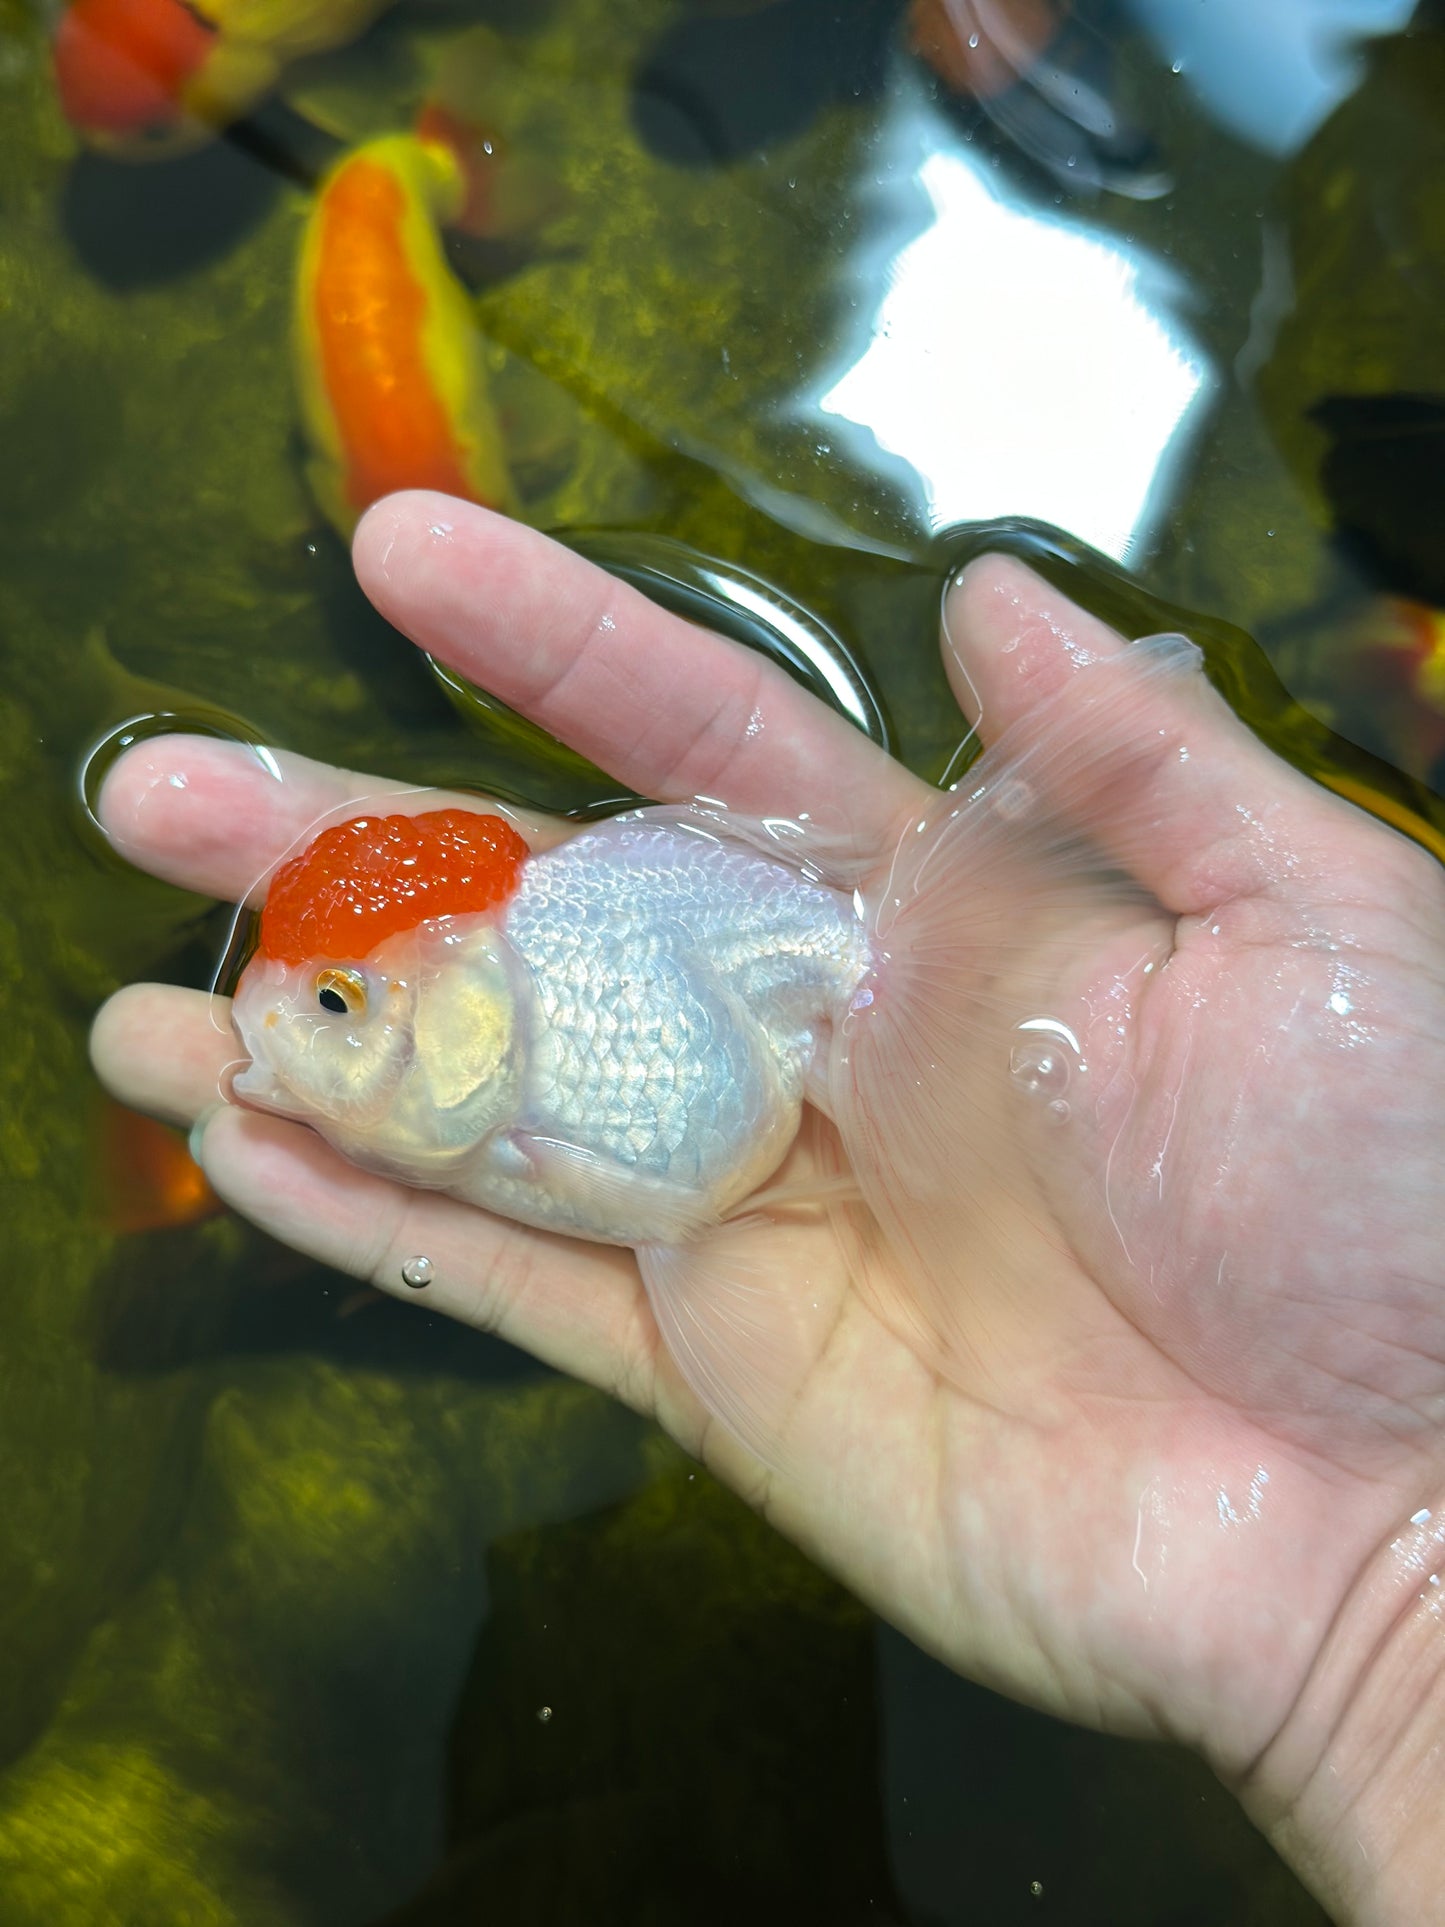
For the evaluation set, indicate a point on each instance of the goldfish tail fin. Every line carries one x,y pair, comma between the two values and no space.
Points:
960,1080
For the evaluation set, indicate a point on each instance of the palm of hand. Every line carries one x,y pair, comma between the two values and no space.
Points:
1202,1395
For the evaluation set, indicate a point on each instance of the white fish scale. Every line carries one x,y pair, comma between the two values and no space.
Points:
681,984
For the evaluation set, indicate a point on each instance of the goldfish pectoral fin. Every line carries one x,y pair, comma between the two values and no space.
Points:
746,1312
1012,941
608,1200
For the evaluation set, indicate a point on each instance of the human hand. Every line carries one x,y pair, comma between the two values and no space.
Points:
1165,1483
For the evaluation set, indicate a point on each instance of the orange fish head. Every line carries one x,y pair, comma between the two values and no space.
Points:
368,879
504,196
122,66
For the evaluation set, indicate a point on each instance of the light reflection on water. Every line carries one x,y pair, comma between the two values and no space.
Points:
1024,362
1270,72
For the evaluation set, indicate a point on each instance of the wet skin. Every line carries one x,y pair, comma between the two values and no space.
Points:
1173,1485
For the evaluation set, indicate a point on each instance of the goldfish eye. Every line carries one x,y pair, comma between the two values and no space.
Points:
342,992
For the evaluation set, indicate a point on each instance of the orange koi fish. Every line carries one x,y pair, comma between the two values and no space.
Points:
145,1178
1398,673
983,47
152,77
390,364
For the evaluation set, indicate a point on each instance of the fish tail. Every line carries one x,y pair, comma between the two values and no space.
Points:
960,1078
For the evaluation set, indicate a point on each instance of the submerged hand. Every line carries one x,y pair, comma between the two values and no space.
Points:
1184,1475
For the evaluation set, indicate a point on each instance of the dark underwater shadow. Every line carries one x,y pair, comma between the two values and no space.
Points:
171,1299
135,224
1383,476
715,87
669,1717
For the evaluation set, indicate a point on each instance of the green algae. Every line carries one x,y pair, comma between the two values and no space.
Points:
254,1735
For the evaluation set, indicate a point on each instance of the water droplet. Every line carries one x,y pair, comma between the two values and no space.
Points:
418,1273
1177,67
544,1713
973,40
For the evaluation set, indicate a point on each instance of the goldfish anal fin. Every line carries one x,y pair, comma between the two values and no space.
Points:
742,1330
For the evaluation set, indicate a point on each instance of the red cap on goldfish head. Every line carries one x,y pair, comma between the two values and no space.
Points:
361,882
120,65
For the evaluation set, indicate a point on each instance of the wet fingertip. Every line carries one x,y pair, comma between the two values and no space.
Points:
988,594
999,577
109,1029
113,801
375,525
160,771
409,522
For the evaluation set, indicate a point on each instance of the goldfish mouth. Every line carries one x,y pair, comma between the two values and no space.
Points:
260,1089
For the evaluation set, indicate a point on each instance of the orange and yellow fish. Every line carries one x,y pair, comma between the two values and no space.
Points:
390,364
151,77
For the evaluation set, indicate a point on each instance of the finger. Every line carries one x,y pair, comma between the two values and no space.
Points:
672,710
216,817
1163,775
165,1051
579,1307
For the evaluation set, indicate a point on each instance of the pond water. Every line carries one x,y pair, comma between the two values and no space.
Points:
315,1608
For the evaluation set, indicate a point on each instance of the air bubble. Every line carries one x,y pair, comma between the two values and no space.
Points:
1040,1069
1042,1063
1013,799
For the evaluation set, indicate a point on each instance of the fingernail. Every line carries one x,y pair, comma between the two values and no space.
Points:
196,1141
